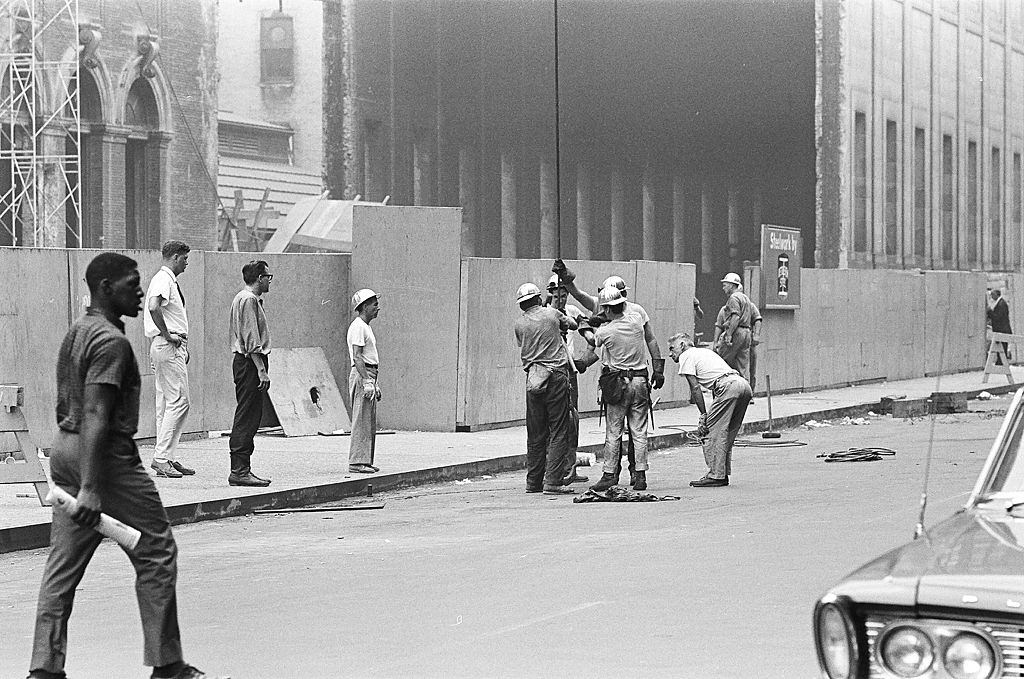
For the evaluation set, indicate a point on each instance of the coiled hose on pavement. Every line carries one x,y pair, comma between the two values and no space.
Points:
869,454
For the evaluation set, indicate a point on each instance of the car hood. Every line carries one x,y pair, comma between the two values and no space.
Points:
973,560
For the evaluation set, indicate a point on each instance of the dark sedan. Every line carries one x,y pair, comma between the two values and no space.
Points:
950,604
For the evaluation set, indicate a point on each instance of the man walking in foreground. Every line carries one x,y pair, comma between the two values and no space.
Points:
166,322
720,424
95,458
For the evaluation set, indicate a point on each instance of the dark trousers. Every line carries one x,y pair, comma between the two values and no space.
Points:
574,422
129,495
248,412
548,432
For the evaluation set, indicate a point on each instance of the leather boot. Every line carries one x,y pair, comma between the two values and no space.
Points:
640,482
606,482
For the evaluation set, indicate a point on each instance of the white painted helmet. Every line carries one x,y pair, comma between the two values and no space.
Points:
361,296
733,278
615,282
554,283
610,296
526,291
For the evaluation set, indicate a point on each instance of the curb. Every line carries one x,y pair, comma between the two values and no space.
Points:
36,536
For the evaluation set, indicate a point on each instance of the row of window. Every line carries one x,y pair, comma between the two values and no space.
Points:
959,237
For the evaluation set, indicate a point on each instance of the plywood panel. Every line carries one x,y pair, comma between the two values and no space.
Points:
305,393
666,291
33,322
411,256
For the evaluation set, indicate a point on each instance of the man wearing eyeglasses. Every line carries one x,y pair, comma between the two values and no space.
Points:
250,342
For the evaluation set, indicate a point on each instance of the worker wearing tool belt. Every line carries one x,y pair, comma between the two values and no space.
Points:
733,343
720,424
568,278
625,389
545,359
362,382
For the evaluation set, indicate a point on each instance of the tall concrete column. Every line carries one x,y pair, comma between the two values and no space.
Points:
508,205
548,210
113,141
734,227
618,218
158,218
467,199
52,194
423,172
678,219
706,230
650,225
583,211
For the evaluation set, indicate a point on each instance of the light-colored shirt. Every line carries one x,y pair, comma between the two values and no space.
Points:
539,336
637,309
249,331
360,334
705,365
165,286
739,304
571,337
622,341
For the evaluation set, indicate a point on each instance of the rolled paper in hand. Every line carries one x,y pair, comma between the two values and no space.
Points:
121,533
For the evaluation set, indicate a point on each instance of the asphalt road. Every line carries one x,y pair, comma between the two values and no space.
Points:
479,579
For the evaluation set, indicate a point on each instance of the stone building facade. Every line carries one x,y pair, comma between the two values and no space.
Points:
146,79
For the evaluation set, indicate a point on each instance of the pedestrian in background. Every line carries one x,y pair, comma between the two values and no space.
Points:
999,318
732,340
625,387
250,342
94,457
720,424
362,382
546,362
166,322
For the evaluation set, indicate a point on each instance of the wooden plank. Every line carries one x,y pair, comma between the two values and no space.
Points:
305,393
27,469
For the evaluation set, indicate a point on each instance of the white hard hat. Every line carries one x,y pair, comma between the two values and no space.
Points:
554,283
733,278
615,282
361,296
610,296
526,291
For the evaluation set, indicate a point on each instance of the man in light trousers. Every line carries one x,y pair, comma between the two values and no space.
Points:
166,323
362,382
720,424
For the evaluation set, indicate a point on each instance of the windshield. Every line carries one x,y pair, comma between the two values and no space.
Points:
1003,476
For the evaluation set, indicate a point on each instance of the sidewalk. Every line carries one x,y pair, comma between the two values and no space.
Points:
314,469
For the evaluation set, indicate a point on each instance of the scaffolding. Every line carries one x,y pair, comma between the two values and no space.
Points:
40,124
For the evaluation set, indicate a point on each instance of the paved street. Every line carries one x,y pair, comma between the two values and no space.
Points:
481,580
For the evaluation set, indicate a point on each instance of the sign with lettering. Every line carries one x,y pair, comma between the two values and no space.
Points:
781,249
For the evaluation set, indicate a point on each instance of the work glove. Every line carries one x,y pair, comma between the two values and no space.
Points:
379,395
702,427
658,373
369,389
597,320
564,273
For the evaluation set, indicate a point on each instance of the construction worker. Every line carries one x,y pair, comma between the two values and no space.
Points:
719,425
557,298
546,363
593,304
362,382
732,340
625,388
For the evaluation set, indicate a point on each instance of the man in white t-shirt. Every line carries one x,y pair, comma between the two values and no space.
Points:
558,298
720,424
362,382
166,322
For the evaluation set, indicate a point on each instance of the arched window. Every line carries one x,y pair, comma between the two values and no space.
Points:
91,165
142,168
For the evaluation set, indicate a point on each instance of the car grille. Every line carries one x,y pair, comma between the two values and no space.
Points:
1009,637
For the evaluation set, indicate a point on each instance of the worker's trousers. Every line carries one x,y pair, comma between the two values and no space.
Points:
363,442
737,354
248,412
633,412
128,494
724,420
171,386
548,432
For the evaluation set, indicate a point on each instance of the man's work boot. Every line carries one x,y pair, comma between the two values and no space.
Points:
640,480
632,479
606,482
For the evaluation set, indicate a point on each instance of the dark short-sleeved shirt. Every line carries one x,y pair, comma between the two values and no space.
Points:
96,351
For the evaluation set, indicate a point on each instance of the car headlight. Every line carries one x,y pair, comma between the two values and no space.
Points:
968,656
907,651
836,642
